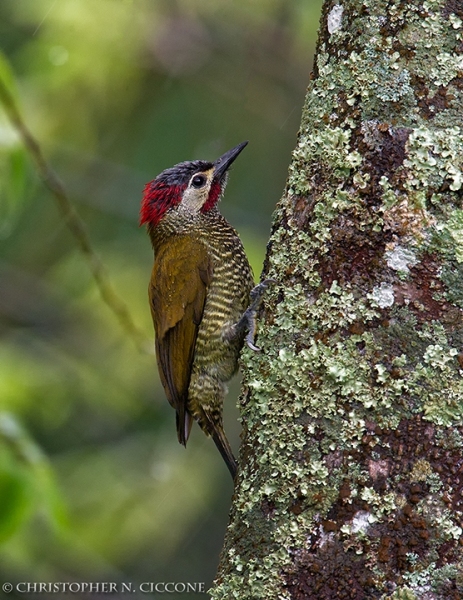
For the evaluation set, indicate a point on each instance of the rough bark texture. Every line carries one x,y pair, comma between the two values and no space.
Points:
351,482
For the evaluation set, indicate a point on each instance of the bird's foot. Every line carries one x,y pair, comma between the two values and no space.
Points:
248,319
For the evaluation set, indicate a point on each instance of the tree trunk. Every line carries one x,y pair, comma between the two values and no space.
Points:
351,466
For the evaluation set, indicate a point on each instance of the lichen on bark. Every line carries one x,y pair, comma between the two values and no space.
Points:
351,469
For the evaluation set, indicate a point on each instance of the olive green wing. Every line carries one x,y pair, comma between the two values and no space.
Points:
181,275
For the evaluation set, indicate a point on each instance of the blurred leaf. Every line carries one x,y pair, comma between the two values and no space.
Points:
12,160
15,495
26,480
13,173
7,76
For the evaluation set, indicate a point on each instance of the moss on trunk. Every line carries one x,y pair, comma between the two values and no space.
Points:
351,480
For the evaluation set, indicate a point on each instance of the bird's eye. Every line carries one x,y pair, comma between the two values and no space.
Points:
198,181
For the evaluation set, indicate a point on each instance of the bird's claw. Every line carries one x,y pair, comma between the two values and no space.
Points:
256,296
258,291
248,319
251,345
252,332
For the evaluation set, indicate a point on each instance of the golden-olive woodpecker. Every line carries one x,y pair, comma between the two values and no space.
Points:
201,293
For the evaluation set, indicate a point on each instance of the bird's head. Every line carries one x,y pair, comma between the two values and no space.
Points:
196,185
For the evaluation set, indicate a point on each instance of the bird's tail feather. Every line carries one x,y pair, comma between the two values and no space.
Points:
184,423
225,450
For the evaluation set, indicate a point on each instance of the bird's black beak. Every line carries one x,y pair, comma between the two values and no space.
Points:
223,163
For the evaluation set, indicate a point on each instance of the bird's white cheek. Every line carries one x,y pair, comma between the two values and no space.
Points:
193,200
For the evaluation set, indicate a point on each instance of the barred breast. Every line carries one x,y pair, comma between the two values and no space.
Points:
216,358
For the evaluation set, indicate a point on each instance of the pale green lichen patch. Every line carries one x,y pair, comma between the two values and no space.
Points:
403,593
454,227
435,157
401,259
334,21
383,295
447,68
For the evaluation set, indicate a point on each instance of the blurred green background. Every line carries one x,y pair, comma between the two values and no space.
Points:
93,483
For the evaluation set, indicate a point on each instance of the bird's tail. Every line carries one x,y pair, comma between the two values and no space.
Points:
184,423
220,440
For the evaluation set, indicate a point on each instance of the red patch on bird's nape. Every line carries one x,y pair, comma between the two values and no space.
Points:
214,196
158,197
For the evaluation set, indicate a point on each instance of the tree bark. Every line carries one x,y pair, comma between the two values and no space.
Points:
351,467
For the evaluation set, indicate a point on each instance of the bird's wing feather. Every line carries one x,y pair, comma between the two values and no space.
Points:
178,288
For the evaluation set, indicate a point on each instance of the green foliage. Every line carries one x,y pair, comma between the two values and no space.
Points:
13,170
92,479
26,478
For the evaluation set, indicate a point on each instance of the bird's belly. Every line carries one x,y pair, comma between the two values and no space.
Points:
215,355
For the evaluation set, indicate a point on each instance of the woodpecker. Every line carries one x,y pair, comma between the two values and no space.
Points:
201,293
